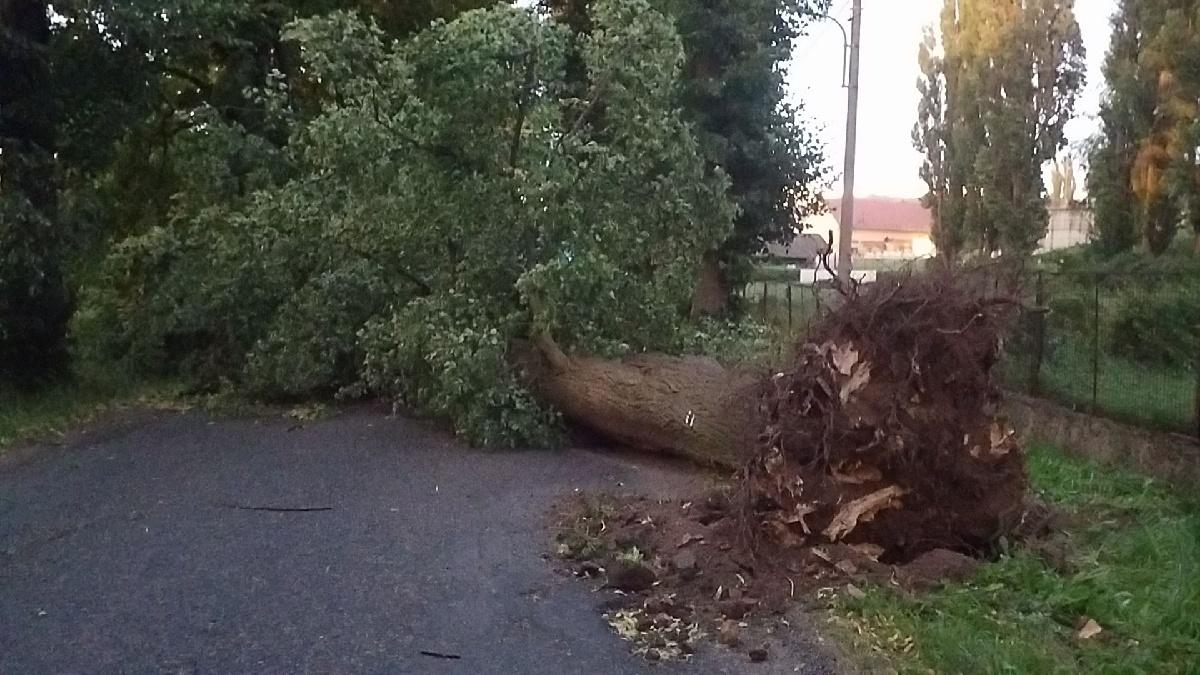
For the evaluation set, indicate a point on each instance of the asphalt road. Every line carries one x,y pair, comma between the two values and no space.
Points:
134,548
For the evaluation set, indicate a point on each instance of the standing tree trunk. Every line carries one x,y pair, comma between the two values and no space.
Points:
711,298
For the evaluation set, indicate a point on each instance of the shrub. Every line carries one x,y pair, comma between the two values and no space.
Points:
1160,327
1072,309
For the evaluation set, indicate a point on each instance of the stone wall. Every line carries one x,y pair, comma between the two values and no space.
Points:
1172,458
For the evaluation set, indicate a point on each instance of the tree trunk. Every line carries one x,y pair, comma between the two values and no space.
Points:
711,297
688,406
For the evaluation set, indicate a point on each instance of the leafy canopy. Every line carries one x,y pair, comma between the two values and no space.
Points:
733,92
441,204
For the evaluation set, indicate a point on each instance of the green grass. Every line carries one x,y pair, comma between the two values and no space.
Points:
1129,392
1136,571
50,411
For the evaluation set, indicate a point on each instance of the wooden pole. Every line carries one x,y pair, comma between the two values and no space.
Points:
846,243
1196,346
789,301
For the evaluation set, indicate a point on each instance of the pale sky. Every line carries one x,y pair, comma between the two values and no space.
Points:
887,162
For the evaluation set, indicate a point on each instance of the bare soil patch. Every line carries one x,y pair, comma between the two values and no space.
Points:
674,573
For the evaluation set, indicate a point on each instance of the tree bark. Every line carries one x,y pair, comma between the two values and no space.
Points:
688,406
710,298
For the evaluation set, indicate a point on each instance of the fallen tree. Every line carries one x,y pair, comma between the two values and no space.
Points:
686,405
451,195
884,429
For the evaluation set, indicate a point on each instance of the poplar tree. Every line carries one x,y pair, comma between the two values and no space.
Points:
999,81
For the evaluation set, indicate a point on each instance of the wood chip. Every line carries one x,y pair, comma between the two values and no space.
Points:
1089,629
861,510
869,551
844,358
855,473
858,380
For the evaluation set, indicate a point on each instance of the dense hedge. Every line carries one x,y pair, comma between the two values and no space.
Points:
1149,306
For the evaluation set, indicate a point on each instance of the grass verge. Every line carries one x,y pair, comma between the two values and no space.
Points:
51,411
1134,570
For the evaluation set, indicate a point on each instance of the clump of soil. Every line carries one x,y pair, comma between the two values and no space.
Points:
678,572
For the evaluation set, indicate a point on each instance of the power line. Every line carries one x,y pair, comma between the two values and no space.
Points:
814,39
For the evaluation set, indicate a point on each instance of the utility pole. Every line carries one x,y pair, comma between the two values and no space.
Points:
846,237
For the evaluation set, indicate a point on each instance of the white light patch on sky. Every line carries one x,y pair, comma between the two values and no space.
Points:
887,162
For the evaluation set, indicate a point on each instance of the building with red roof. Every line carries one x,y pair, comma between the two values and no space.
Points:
884,227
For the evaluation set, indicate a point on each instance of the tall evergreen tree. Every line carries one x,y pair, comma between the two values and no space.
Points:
1124,115
1165,175
997,90
34,303
1144,179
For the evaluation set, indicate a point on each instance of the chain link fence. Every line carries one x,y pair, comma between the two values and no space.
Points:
1123,346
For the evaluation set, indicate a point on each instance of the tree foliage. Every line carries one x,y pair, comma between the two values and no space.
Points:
34,302
733,92
999,83
98,105
1146,177
439,205
130,70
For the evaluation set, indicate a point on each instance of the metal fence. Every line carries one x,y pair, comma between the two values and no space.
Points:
787,307
1123,346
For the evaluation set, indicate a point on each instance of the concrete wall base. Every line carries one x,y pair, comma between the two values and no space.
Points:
1172,458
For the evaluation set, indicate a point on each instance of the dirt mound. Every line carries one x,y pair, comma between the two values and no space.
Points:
676,573
885,430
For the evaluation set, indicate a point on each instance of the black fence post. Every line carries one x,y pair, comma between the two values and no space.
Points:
1096,347
789,301
765,318
1039,335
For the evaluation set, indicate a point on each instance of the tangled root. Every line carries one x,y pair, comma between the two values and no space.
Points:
886,428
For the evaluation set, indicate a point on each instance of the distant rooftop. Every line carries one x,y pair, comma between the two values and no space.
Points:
886,213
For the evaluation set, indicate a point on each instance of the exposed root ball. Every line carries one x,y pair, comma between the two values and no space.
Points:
885,430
